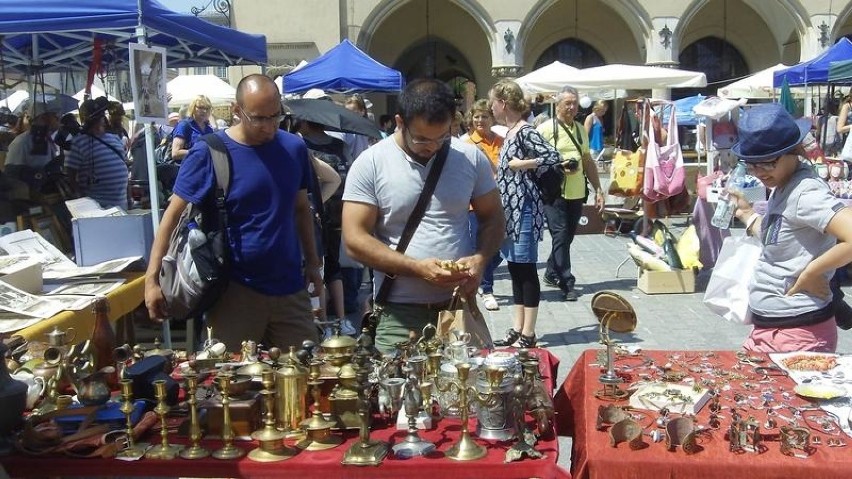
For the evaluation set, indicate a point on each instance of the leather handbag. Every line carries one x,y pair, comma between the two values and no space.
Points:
665,175
463,316
370,320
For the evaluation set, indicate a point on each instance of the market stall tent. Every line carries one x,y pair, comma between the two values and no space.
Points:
55,35
344,69
756,86
816,69
548,79
638,77
184,89
840,71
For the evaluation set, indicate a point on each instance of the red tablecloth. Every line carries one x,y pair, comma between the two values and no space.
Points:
324,464
593,457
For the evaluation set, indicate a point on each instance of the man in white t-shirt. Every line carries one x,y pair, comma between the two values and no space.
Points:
381,192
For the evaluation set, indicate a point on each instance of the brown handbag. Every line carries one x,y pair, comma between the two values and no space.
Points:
463,316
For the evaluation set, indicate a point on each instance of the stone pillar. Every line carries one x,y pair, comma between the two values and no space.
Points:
662,49
506,53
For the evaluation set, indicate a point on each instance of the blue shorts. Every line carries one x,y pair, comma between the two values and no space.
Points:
524,249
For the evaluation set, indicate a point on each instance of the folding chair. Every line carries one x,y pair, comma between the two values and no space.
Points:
620,219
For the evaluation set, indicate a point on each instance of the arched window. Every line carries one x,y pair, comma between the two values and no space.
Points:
570,51
718,59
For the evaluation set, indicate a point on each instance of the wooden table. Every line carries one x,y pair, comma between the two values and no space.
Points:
593,457
122,301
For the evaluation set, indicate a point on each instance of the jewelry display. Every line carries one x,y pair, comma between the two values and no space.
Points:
272,448
133,450
194,451
164,450
228,450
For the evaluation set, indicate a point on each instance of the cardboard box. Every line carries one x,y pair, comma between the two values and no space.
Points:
663,282
110,237
591,222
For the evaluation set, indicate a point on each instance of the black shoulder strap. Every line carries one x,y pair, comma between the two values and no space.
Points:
573,140
121,155
416,216
222,165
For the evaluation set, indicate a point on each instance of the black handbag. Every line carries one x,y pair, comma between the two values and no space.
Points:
370,320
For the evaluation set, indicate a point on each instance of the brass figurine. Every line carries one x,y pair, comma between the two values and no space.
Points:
366,451
413,445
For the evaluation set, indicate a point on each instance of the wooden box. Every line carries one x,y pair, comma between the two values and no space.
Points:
245,416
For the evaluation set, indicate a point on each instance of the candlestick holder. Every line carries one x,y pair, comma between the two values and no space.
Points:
194,451
134,450
317,428
164,450
466,449
412,400
228,450
272,448
366,451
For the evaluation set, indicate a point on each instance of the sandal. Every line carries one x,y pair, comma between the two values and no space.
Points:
511,337
527,341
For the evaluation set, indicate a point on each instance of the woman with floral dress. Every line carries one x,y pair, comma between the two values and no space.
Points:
524,153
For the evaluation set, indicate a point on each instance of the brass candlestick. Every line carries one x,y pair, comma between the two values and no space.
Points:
194,451
318,429
164,450
228,450
133,451
272,448
366,451
466,449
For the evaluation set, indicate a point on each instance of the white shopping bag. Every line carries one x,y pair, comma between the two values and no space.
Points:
727,291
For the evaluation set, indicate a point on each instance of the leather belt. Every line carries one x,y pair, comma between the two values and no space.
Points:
439,306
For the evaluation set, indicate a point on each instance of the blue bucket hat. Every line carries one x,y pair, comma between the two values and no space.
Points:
768,131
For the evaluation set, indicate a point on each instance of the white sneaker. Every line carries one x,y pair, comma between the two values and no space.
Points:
490,302
347,328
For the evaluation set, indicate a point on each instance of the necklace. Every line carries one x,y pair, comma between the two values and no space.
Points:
515,124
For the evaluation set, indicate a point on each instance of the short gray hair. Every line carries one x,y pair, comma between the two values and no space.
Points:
567,90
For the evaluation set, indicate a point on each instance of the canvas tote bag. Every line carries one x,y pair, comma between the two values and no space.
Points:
665,175
463,316
628,167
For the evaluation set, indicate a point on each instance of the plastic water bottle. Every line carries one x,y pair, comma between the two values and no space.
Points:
194,239
727,204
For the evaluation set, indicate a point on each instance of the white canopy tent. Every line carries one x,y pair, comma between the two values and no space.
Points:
184,89
96,93
550,79
14,99
637,77
279,82
757,85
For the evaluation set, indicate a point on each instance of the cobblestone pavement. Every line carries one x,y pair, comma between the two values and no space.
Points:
665,321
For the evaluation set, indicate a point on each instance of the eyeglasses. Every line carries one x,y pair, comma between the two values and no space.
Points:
202,109
763,165
258,119
425,141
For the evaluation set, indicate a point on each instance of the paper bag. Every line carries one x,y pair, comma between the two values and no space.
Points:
463,316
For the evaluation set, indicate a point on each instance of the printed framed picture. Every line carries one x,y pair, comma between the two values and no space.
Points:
148,83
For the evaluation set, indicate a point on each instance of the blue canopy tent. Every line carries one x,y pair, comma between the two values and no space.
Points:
344,69
816,69
54,35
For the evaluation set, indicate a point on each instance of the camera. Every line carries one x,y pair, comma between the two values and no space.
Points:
572,164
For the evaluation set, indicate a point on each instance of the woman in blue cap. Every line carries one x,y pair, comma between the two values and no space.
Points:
789,297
